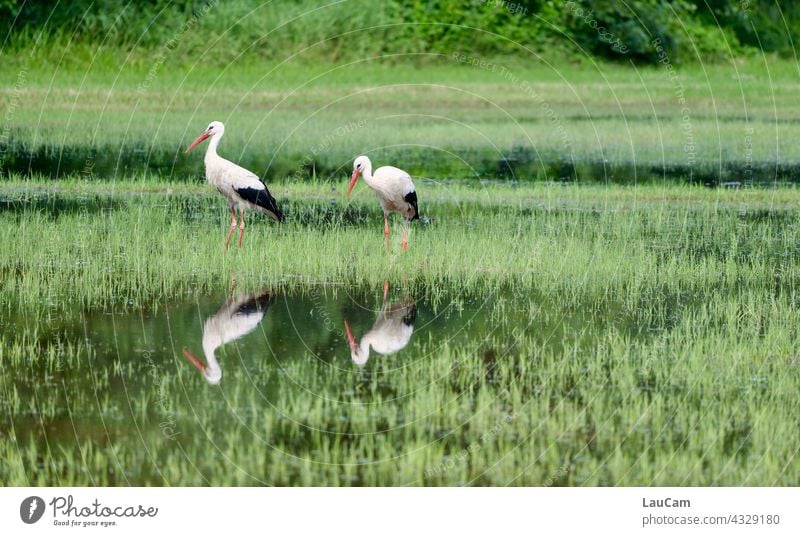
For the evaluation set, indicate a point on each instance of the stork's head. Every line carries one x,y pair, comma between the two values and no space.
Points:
212,374
359,165
358,355
215,128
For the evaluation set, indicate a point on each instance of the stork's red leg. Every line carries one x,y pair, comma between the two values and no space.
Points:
386,229
241,226
405,236
385,290
233,227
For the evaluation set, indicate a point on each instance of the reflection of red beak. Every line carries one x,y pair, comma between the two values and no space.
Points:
197,142
353,181
196,362
350,337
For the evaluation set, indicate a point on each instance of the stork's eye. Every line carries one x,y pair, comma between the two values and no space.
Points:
210,127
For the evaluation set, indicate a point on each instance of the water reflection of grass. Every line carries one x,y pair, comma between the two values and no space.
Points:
634,336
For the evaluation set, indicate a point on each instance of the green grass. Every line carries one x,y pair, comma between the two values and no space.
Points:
153,239
446,119
567,334
625,336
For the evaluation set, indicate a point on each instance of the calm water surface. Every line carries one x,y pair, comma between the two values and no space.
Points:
147,367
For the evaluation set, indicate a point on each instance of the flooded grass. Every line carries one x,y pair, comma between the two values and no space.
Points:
562,335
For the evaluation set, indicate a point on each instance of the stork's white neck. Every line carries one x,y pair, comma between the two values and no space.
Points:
211,152
365,344
361,356
367,174
209,347
213,370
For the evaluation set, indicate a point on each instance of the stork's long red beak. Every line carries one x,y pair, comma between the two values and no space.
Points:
197,142
350,337
196,362
353,181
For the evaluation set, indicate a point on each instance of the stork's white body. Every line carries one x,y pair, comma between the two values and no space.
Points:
242,188
232,179
391,186
235,319
391,332
395,191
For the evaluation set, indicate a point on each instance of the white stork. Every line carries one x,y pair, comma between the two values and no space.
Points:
242,187
395,191
390,333
236,318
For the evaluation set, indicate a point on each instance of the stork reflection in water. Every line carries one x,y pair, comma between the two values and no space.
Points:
236,318
390,333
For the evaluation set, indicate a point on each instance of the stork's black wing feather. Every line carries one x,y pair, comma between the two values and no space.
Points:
263,199
255,304
411,199
411,316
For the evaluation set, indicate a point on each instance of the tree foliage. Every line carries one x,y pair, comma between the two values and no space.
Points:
687,30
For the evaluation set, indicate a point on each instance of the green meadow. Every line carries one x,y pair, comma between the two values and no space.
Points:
602,288
565,335
448,119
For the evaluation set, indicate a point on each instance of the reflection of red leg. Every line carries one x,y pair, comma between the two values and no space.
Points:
405,233
233,228
385,290
241,226
386,229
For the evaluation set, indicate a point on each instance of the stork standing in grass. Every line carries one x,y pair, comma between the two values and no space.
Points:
242,188
236,318
395,191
